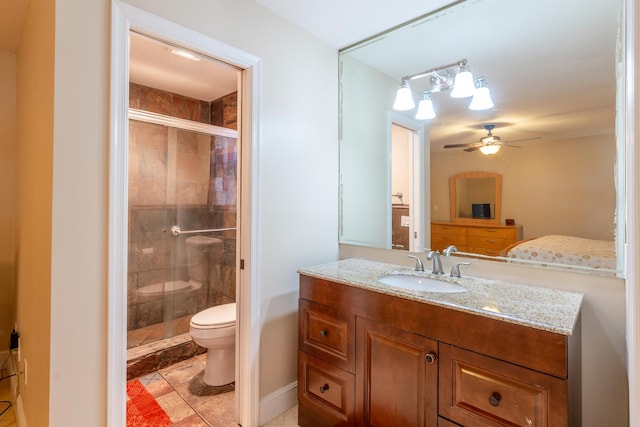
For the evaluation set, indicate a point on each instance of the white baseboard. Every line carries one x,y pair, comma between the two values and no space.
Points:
278,402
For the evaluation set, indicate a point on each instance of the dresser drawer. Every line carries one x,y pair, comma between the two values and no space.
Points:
441,241
451,230
326,394
493,232
488,245
327,334
477,390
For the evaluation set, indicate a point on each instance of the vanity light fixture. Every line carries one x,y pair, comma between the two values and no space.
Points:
482,97
425,108
456,76
463,86
404,97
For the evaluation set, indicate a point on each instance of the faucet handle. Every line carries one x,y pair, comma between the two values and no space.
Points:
419,265
449,250
455,270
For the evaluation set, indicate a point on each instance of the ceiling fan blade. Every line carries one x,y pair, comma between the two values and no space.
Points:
460,145
523,139
471,149
509,145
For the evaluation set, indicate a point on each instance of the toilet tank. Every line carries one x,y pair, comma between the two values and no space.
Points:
202,252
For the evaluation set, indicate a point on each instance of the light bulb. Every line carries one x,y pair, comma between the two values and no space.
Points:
489,149
482,97
404,98
425,108
463,85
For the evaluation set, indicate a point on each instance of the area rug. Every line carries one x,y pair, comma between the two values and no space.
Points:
142,408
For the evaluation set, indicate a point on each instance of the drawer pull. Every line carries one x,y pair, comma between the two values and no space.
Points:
323,333
430,357
324,388
495,399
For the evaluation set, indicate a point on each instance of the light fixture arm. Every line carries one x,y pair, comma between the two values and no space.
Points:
435,70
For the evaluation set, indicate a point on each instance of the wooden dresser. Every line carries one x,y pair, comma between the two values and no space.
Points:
478,239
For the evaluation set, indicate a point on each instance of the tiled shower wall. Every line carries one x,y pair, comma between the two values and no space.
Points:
182,178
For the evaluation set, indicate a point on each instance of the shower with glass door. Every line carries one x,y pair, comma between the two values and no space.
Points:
182,226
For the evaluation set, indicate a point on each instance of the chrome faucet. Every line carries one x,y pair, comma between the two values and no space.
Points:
449,250
455,270
437,264
419,265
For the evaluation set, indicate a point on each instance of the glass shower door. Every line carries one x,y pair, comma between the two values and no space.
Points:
182,214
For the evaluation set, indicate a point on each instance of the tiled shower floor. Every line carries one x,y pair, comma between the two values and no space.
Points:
188,401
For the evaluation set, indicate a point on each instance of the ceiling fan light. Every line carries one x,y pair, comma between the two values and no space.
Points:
489,149
425,108
404,98
463,85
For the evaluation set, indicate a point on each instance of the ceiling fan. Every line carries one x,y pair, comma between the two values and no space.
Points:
489,144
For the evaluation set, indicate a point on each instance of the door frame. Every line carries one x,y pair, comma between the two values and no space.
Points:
125,18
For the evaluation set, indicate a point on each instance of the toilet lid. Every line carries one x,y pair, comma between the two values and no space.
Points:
216,317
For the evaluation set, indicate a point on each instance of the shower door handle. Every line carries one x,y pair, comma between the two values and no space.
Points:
176,231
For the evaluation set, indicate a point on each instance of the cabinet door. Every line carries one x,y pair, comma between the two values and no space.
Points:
396,377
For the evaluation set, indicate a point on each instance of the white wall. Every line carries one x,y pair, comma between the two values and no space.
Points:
365,190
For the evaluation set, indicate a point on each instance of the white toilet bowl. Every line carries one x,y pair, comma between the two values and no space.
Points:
215,330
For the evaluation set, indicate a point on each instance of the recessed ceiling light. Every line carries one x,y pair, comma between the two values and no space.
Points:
185,54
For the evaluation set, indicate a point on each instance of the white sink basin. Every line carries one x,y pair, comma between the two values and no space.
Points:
418,283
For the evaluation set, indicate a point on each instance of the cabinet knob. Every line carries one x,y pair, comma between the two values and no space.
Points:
324,388
430,357
495,399
323,333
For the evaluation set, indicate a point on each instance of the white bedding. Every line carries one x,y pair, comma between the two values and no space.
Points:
566,250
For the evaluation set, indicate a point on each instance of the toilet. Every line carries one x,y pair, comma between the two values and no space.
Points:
215,329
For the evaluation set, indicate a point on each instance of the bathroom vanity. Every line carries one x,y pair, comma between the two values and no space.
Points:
499,354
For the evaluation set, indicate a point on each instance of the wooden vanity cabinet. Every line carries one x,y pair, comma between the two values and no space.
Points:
373,359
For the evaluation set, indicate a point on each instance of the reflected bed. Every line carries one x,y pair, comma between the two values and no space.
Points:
565,250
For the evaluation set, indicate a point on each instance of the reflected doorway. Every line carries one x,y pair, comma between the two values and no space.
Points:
407,198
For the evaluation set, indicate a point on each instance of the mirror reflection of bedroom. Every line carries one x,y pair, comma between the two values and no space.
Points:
550,132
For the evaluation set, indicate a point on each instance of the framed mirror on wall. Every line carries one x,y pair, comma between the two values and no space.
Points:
552,126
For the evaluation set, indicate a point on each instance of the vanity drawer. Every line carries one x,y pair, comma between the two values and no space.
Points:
327,334
326,393
477,390
493,233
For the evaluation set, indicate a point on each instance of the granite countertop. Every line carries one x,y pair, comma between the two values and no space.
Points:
547,309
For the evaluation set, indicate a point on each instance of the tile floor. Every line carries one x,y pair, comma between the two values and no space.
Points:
188,401
179,389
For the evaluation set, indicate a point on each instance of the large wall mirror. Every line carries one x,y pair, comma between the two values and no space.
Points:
555,74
